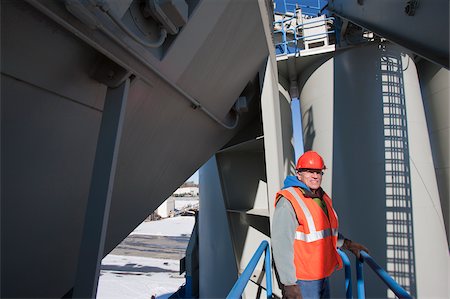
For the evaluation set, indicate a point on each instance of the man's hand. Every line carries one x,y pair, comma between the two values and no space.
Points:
291,292
354,247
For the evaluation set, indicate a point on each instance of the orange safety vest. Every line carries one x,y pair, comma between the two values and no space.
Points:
315,254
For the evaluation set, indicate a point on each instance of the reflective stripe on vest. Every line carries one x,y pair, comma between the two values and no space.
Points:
309,217
314,235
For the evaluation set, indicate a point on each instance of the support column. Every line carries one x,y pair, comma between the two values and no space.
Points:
273,132
99,202
297,130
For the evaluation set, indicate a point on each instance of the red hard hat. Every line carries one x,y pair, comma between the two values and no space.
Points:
310,160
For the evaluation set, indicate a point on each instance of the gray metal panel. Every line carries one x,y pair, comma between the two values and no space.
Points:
242,186
48,147
160,149
216,61
240,171
36,50
51,112
425,33
215,244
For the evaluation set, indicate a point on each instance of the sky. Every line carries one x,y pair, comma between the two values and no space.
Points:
193,178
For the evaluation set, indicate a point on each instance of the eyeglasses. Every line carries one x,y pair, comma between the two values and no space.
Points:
311,171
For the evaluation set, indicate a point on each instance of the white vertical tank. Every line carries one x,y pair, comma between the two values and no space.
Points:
316,101
362,110
434,82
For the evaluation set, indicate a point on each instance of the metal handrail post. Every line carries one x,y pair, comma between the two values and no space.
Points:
284,40
360,279
268,272
348,274
242,281
385,277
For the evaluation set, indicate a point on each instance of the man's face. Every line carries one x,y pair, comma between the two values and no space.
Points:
311,177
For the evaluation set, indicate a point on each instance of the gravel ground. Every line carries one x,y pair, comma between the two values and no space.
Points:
163,247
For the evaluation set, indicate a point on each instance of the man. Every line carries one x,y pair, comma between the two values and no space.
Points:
305,233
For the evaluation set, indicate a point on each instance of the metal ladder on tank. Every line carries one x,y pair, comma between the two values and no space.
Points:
399,218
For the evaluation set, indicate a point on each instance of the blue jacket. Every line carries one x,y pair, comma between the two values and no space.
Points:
292,181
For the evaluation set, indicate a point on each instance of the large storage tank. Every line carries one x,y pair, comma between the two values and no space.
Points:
363,111
434,83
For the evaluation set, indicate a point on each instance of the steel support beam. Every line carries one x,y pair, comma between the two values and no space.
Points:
420,26
102,183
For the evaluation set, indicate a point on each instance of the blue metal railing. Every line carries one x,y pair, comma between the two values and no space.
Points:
290,9
240,284
285,43
311,7
385,277
348,274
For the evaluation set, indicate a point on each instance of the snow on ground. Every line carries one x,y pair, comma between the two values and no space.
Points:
124,277
135,277
176,226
